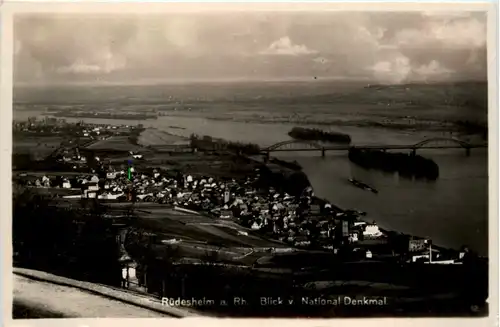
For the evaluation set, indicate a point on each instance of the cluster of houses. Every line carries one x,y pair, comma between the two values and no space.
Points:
61,126
300,221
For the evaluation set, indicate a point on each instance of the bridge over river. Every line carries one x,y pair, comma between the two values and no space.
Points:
431,143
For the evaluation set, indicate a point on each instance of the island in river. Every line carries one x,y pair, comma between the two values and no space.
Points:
313,134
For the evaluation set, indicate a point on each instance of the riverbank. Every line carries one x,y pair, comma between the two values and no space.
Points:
413,206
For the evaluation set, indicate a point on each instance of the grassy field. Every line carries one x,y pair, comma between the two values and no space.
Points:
154,137
37,146
116,143
170,223
220,165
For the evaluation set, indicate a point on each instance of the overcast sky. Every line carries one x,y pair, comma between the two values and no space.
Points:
379,47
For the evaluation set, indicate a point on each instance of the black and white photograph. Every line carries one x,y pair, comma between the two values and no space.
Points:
251,163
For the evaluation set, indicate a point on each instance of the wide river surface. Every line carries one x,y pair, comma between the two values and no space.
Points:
453,210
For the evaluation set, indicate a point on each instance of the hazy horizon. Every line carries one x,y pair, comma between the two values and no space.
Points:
171,82
371,47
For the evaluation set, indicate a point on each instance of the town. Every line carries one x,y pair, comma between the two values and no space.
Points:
185,204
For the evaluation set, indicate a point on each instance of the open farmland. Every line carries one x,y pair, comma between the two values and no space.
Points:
39,147
191,227
154,137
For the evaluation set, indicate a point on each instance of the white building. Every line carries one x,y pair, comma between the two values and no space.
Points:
93,187
111,175
444,262
372,230
77,196
89,194
420,256
109,196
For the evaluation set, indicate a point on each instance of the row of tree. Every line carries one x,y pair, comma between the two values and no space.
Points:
207,143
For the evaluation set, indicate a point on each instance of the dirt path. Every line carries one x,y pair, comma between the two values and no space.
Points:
50,300
43,294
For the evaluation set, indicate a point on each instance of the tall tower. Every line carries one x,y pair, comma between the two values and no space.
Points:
130,170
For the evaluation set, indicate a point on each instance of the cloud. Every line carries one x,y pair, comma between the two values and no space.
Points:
79,68
388,47
285,47
370,38
382,47
460,33
394,70
434,68
321,60
108,63
417,53
400,69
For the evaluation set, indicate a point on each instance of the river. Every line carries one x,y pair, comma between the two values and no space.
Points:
452,211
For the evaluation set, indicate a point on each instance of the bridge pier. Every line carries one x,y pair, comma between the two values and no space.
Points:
414,152
323,152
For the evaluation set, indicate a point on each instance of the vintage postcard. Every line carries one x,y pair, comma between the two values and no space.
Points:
251,160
